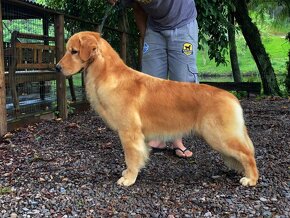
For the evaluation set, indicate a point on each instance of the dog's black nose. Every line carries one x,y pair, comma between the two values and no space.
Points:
58,68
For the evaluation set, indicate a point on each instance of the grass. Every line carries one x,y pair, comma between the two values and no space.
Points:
276,46
273,38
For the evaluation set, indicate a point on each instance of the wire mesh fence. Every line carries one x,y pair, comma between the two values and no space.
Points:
26,92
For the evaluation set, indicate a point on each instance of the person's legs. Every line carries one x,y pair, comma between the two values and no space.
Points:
154,63
182,50
154,58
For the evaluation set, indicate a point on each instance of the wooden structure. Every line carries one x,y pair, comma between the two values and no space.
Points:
60,82
3,118
249,87
33,61
29,61
43,57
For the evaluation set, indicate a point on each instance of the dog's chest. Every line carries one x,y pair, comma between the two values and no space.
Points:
92,94
96,97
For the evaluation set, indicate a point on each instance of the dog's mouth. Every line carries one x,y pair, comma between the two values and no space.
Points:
60,69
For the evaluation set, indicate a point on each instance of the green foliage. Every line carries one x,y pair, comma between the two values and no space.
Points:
70,108
93,12
213,25
24,26
275,11
240,94
283,86
275,46
268,23
52,4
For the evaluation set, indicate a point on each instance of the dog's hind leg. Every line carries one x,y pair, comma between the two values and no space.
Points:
238,154
233,164
241,152
225,131
233,142
136,155
251,171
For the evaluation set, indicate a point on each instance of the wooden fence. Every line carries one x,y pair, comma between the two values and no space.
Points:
30,58
3,118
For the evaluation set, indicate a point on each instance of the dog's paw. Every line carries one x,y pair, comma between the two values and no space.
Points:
125,182
128,178
247,182
124,172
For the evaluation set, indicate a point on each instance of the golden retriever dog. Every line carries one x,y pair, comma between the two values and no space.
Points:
142,108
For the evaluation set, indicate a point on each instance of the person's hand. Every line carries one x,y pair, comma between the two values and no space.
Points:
112,2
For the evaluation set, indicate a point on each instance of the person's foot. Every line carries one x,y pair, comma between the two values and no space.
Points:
180,150
155,144
183,153
178,147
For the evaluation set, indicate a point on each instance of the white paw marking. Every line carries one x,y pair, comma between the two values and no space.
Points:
125,182
247,182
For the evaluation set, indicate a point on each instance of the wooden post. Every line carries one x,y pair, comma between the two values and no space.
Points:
123,47
45,30
71,88
3,112
12,72
124,39
61,81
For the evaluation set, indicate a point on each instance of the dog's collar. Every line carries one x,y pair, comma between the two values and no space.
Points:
88,63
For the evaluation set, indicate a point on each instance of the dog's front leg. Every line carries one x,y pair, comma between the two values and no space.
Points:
136,154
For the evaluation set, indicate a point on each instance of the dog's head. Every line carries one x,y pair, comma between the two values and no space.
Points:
81,50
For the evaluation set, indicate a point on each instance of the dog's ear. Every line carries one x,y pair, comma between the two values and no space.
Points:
96,35
88,47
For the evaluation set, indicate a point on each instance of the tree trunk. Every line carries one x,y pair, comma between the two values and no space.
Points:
123,27
253,39
3,112
233,49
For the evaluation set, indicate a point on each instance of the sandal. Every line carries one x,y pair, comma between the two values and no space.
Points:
182,153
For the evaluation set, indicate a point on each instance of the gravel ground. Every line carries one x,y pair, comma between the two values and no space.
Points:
70,168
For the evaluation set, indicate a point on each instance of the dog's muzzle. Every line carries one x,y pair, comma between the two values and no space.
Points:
58,68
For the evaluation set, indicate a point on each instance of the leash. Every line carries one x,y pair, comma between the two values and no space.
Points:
109,9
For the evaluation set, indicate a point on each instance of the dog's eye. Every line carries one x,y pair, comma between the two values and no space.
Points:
74,52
